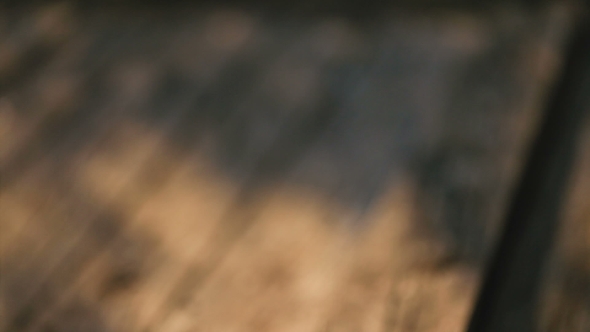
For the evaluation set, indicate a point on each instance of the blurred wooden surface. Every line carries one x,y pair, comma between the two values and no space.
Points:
228,170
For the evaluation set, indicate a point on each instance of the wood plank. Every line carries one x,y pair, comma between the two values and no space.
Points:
153,227
212,250
133,194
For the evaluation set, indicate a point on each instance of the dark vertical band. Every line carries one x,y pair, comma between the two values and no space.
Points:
509,294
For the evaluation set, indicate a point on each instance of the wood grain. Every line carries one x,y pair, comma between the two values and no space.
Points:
223,169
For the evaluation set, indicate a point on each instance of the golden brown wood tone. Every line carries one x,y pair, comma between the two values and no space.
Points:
233,170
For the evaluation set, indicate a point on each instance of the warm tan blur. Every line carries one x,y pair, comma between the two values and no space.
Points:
231,169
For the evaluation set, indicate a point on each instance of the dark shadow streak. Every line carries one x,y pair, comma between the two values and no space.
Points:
509,295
